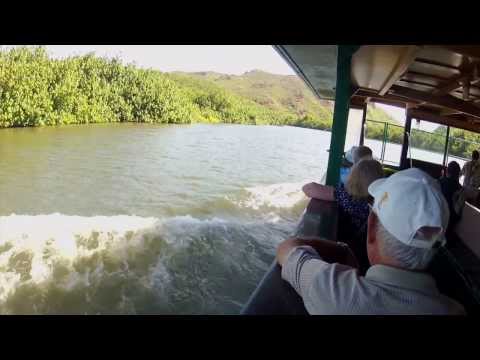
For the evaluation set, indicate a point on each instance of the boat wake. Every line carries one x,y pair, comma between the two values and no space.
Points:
60,264
283,200
207,262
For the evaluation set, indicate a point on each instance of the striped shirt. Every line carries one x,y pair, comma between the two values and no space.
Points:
336,289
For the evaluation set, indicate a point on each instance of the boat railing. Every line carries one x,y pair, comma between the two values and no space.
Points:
274,296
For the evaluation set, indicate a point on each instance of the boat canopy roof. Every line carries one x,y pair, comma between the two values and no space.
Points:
316,65
436,83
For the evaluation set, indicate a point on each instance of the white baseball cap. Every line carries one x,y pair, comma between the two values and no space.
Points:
408,203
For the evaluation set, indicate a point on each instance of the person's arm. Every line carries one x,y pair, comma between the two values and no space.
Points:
329,251
325,288
320,192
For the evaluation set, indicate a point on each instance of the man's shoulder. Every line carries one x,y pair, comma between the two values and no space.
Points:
333,290
344,291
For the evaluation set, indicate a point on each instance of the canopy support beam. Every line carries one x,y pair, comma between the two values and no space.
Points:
446,101
343,92
364,120
406,140
445,152
438,119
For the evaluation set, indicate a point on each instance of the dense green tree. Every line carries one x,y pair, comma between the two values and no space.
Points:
38,91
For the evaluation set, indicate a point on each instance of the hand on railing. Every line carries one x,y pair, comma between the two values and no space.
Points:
330,251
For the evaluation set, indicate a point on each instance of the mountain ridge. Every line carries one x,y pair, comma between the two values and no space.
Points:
285,93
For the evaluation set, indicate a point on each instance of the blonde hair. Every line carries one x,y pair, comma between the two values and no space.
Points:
361,176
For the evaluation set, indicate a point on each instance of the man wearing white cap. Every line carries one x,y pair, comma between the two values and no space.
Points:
405,228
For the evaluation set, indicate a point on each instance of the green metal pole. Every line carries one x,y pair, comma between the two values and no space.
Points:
445,152
343,92
384,142
406,140
364,121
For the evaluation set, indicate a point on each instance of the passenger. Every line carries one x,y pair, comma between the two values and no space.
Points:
471,181
405,228
471,171
353,197
351,157
362,153
453,192
353,201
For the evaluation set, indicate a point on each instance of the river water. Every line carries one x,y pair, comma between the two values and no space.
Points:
145,219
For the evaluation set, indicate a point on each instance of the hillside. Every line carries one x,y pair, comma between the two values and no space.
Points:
37,90
278,92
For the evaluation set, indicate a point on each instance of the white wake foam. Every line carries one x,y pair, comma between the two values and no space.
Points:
282,195
29,245
88,248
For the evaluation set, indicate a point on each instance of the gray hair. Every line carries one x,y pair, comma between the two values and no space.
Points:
361,152
407,257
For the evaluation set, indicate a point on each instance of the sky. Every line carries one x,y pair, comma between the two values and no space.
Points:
227,59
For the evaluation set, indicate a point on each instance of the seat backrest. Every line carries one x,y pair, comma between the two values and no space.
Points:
456,268
434,170
355,238
468,228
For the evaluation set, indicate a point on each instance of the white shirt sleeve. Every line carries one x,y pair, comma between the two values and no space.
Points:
325,288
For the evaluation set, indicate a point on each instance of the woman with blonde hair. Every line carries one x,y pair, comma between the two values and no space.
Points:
353,197
353,200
